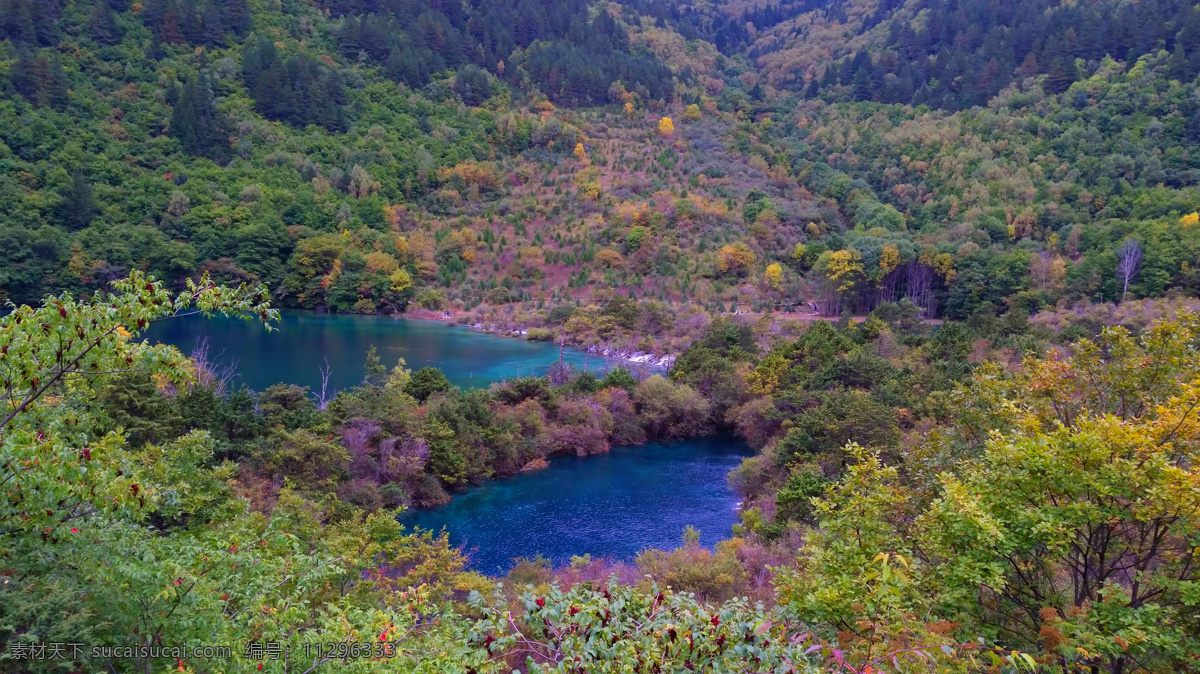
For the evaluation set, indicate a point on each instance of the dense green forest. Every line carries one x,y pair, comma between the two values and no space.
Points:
934,260
374,157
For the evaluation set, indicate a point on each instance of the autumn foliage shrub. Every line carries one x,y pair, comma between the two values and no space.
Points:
713,576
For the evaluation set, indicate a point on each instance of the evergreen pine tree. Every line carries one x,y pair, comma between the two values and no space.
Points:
213,27
183,120
1060,75
19,23
472,85
166,21
1178,67
23,75
257,56
102,24
197,124
45,21
830,77
813,89
1191,129
171,93
235,15
348,37
374,372
863,91
1029,66
57,93
394,68
155,50
51,83
78,205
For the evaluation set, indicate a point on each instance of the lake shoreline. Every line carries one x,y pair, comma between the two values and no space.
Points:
633,358
308,342
576,436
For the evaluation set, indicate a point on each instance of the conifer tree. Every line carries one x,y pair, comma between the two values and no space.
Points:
23,75
40,80
1177,66
78,205
472,85
235,15
214,28
862,85
30,22
103,26
197,124
53,91
1191,129
18,22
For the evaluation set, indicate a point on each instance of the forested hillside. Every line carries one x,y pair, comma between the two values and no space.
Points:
988,462
174,136
366,156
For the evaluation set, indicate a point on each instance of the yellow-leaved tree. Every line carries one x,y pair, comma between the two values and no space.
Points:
889,258
735,258
843,268
1059,510
666,126
799,252
774,274
841,271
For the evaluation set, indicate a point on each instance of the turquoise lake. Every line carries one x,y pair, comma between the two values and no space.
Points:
299,348
612,505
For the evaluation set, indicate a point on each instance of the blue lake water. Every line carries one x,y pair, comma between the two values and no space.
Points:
295,352
612,505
